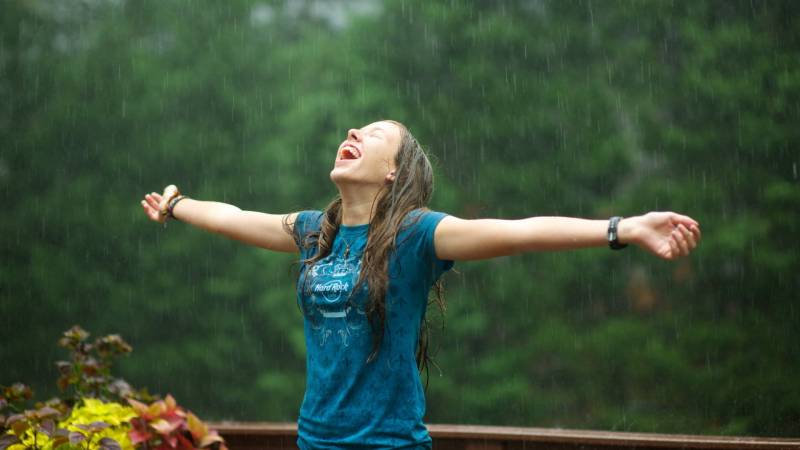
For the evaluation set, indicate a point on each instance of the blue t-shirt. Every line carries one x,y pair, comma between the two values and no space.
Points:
348,402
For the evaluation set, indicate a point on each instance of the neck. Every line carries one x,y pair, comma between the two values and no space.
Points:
357,204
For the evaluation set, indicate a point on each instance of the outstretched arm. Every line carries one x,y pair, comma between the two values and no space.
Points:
251,227
665,234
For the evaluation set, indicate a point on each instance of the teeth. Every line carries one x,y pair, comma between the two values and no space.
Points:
354,151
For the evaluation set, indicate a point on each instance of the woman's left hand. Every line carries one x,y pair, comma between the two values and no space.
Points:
665,234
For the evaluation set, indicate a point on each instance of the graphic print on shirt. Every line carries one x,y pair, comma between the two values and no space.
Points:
333,317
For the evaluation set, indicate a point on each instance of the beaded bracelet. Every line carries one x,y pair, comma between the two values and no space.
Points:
172,204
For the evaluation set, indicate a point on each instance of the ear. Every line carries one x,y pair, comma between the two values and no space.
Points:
390,177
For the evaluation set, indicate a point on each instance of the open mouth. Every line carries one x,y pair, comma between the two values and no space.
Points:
349,152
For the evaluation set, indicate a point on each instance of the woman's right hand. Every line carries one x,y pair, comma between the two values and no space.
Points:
154,203
251,227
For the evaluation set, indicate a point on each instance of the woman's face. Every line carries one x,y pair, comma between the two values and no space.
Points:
367,155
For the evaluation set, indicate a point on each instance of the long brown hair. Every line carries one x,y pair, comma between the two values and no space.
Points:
411,189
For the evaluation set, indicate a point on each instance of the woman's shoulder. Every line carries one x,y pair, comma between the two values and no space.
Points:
418,237
423,215
307,221
421,221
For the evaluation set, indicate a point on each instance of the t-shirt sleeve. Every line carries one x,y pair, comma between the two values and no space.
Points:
426,226
306,222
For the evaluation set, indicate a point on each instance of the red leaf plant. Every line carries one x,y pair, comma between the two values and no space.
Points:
163,425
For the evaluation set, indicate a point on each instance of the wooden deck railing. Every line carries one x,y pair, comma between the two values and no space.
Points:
266,436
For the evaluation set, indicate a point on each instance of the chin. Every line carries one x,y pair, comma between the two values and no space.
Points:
341,177
337,175
344,177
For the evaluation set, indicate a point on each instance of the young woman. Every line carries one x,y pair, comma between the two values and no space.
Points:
369,261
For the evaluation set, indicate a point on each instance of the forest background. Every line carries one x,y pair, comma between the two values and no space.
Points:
573,108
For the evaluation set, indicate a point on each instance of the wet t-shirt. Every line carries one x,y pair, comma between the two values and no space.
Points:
348,402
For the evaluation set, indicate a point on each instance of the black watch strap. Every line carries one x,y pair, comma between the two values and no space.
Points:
613,238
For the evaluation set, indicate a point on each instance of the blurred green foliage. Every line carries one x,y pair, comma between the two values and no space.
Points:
575,108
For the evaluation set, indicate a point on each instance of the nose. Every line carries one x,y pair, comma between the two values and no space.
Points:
354,134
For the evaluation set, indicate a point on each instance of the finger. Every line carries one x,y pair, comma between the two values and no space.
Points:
162,201
688,236
696,232
681,219
170,190
682,244
148,210
674,250
158,197
151,201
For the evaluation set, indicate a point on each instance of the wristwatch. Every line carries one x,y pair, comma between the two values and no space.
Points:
613,240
